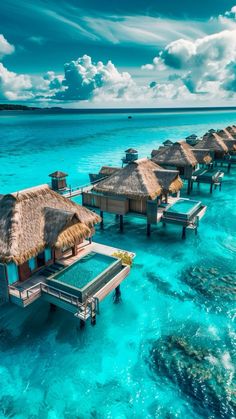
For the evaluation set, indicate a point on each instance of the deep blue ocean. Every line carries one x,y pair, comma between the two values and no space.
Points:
168,350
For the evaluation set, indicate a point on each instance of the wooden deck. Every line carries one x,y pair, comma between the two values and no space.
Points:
25,293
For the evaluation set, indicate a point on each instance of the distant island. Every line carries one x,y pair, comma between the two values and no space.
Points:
16,107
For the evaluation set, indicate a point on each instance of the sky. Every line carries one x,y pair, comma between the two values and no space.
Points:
109,53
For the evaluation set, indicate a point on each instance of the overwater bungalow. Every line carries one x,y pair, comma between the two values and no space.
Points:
192,139
220,152
142,188
167,143
130,155
180,156
46,251
58,181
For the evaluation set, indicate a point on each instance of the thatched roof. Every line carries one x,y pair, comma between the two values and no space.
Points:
35,218
225,134
141,179
179,154
212,141
202,156
232,130
228,138
58,174
131,150
108,170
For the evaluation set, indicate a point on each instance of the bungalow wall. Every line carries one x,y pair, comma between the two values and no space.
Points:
114,205
138,205
91,200
15,273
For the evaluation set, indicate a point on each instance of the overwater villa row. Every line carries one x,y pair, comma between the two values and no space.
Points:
47,252
46,246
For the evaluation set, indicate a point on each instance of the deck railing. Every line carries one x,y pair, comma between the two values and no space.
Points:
36,290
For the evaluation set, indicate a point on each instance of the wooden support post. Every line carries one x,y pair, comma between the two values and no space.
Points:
220,185
184,233
148,229
82,324
121,223
102,221
53,307
93,312
229,167
196,231
189,187
211,187
117,296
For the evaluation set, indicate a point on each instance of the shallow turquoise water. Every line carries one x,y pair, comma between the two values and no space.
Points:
128,366
85,270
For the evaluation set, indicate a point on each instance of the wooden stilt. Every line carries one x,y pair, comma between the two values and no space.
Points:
148,229
220,186
121,223
229,167
189,187
211,187
82,324
52,307
117,296
102,221
93,312
184,233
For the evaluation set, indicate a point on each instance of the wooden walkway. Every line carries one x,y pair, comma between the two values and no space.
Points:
77,191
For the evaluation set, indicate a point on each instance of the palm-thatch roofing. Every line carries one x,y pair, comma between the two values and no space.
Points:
202,156
108,170
180,154
58,174
141,179
212,141
232,130
35,218
225,134
228,139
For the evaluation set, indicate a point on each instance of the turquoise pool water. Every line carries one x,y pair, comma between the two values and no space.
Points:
151,355
85,270
183,206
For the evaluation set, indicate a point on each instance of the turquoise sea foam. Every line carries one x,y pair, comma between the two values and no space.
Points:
49,368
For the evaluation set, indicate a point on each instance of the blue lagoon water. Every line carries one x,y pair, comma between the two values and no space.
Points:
168,350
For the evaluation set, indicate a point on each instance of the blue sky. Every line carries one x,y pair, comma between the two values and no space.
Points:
92,53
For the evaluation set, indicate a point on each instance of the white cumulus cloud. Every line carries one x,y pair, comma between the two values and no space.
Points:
85,80
202,64
14,86
5,47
